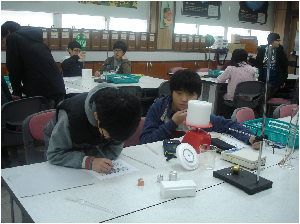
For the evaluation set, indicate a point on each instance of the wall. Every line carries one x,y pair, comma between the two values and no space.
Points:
229,12
73,7
229,17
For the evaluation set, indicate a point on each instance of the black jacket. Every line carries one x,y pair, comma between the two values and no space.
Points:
281,64
28,59
71,67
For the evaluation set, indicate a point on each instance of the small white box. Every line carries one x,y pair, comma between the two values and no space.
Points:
180,188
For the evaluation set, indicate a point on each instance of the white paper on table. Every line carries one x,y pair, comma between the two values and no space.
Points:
73,90
121,168
70,79
237,143
49,179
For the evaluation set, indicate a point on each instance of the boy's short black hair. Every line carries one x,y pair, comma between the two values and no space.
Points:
10,26
120,44
119,112
74,44
186,80
238,55
272,37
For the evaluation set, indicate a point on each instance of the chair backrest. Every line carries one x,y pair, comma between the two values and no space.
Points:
33,131
135,139
14,113
243,114
253,89
135,90
203,70
164,89
175,69
284,110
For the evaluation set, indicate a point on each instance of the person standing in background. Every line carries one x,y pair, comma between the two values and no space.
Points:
278,65
29,61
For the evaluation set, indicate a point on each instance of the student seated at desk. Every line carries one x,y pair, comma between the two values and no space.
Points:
165,117
89,129
238,71
118,62
71,66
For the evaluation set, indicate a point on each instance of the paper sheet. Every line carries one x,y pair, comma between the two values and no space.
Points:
49,179
70,79
120,168
232,141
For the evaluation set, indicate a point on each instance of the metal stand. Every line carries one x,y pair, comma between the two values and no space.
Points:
244,179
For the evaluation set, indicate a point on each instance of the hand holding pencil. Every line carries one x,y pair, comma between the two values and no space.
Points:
102,165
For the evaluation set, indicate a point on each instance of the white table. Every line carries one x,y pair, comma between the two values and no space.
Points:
77,84
215,201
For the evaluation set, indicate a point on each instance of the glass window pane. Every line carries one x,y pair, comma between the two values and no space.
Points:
25,18
83,21
184,28
261,36
124,24
212,30
240,31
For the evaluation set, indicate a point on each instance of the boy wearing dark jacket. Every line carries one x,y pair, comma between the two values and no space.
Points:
89,129
278,65
165,117
29,61
71,66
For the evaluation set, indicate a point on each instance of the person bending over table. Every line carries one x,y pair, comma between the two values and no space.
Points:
165,117
89,129
118,62
71,66
31,66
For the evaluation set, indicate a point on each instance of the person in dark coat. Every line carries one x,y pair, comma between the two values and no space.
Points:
31,66
71,66
278,65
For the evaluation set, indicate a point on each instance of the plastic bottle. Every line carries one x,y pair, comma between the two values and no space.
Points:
82,41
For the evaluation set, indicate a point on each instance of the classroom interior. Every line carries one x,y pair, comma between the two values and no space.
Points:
154,49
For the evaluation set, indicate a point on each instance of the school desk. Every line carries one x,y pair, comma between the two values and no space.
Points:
215,200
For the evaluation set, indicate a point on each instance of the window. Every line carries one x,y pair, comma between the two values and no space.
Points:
184,28
27,18
83,21
261,36
124,24
240,31
212,30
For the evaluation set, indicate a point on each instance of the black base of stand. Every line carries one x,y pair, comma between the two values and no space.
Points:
243,180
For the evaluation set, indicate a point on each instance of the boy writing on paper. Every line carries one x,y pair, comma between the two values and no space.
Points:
118,62
165,117
89,129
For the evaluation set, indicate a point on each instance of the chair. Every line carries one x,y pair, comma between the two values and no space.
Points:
253,89
164,89
275,102
33,135
175,69
203,70
284,110
243,114
135,90
13,114
135,139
